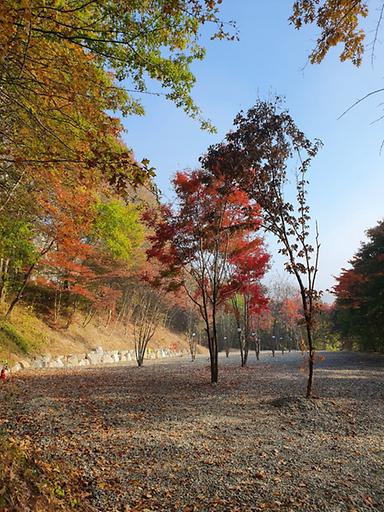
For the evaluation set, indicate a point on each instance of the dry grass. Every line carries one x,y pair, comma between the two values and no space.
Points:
27,335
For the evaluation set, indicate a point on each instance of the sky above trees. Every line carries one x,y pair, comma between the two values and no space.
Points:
271,57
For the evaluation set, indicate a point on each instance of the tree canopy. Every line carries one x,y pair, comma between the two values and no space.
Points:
339,22
360,294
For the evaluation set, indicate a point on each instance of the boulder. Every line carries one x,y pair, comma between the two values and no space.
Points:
84,362
107,358
115,355
123,355
46,359
99,350
72,360
56,363
94,357
24,364
16,368
37,363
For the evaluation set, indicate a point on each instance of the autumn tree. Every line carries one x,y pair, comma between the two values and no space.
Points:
359,307
193,244
327,336
55,87
246,266
291,312
339,22
149,313
65,69
255,156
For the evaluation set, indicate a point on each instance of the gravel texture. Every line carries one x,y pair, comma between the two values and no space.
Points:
161,438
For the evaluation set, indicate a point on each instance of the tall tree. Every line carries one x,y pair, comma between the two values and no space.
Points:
255,157
193,243
246,266
360,294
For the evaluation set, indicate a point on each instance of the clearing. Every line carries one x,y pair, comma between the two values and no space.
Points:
161,438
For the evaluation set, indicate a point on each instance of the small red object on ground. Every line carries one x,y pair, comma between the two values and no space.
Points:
4,375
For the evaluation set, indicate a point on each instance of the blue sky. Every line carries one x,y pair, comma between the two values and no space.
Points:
346,179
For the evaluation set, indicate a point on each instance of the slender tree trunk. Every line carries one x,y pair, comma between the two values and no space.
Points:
215,359
241,349
311,358
213,354
88,318
257,349
108,318
245,358
26,279
4,274
71,315
20,292
57,306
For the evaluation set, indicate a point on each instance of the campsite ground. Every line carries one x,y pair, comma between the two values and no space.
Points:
161,438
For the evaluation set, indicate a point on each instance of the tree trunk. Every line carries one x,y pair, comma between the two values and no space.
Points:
26,279
310,361
245,356
108,318
57,306
71,315
215,359
20,292
88,318
4,274
257,349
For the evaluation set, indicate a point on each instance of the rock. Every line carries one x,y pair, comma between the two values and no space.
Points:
24,364
115,355
94,357
46,359
56,363
16,368
84,362
37,363
72,360
99,350
123,355
107,358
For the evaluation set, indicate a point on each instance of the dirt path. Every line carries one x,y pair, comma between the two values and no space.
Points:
161,438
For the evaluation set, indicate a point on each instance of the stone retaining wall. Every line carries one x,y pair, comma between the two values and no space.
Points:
95,357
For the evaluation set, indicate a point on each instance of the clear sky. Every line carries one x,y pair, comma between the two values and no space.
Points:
347,177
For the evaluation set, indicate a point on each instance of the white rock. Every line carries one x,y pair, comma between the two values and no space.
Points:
123,355
37,363
56,363
99,350
94,357
84,362
72,360
24,364
115,356
107,359
16,368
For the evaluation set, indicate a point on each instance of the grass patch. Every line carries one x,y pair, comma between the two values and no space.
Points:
9,336
21,336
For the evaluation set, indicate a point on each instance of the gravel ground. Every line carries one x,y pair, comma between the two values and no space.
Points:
161,438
